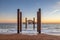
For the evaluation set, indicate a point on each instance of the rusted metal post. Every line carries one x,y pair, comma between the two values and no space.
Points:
33,23
39,21
25,23
18,11
20,21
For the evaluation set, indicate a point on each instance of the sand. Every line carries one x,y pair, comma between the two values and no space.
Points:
28,37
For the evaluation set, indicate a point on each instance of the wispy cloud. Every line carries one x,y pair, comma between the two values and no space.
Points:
55,9
51,12
57,5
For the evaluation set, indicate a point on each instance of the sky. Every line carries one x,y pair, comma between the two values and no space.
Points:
50,10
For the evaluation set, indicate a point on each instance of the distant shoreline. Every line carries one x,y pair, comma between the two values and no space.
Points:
35,23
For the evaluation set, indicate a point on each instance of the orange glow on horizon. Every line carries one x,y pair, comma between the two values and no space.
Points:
50,21
23,20
10,20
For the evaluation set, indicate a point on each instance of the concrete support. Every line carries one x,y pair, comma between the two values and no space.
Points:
33,23
25,23
39,21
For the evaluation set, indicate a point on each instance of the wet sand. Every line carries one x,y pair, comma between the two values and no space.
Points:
28,37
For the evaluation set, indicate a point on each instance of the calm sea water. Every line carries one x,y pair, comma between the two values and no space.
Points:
11,28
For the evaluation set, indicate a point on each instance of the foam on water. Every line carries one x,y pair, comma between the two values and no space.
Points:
51,29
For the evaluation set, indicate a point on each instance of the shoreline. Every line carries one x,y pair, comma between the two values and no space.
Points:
28,37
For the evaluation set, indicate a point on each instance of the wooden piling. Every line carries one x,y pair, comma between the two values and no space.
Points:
33,23
18,11
39,21
25,23
20,21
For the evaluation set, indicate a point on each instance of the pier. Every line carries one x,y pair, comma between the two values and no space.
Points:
19,21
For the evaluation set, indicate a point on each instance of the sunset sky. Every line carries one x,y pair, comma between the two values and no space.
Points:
50,10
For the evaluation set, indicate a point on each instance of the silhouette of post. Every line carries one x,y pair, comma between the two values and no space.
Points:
18,11
20,21
33,23
25,23
39,21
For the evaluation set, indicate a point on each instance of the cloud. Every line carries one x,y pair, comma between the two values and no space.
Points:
54,11
52,14
57,5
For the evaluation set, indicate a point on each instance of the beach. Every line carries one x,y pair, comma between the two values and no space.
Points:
48,32
28,37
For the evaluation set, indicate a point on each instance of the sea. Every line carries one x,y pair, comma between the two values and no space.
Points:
11,28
